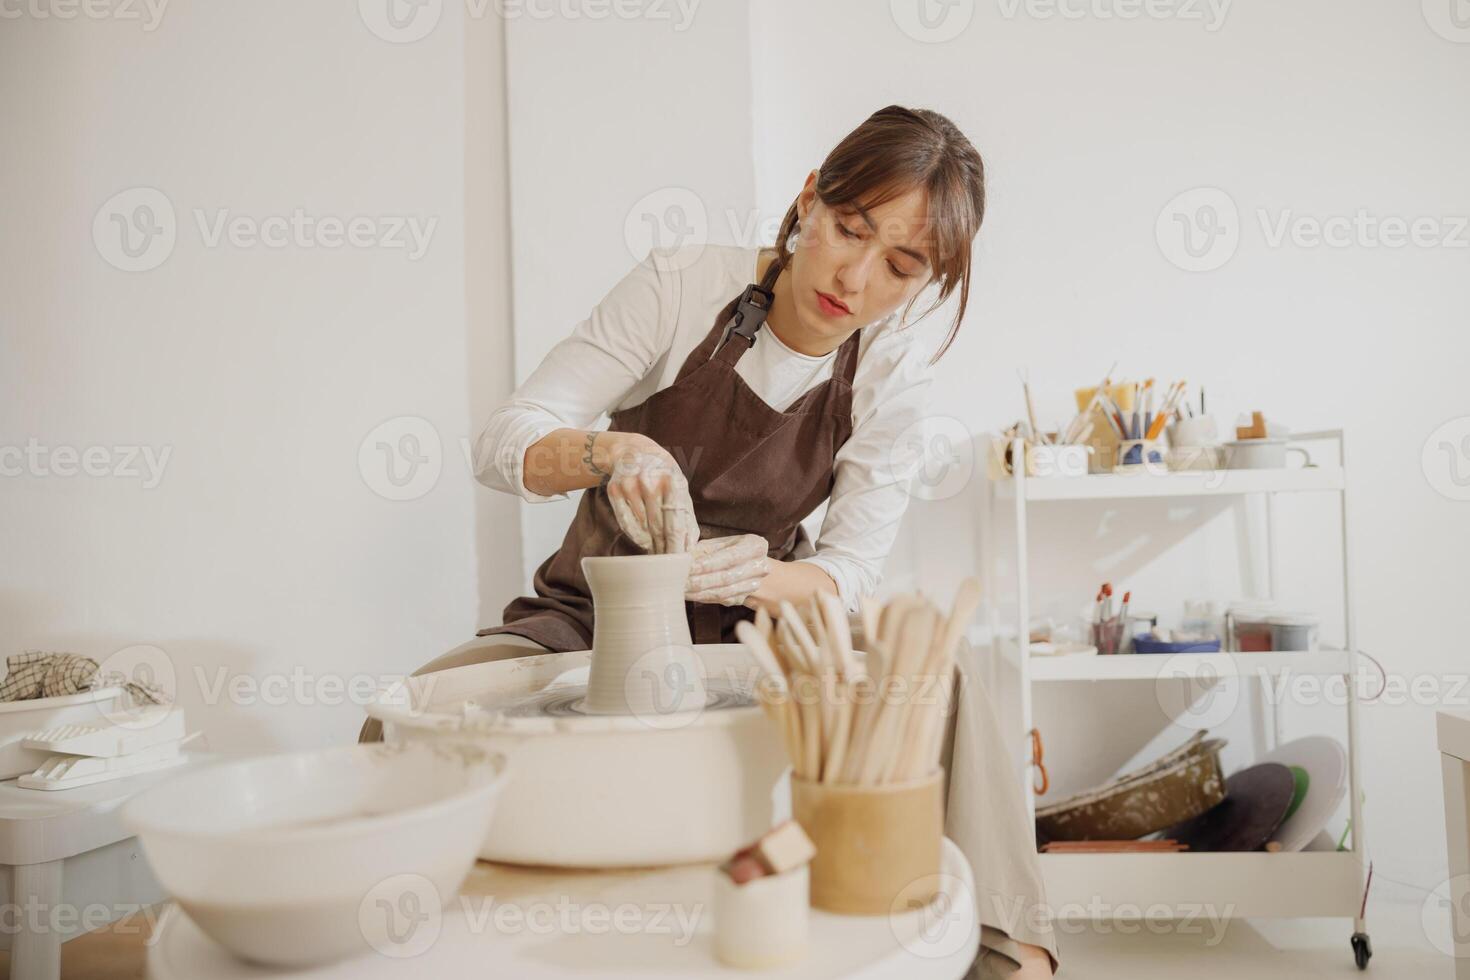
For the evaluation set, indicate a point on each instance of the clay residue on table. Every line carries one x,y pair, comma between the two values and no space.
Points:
515,882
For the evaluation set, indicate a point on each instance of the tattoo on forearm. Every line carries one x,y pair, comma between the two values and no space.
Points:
591,464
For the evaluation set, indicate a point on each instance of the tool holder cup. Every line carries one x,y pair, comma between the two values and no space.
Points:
878,847
1140,456
1110,637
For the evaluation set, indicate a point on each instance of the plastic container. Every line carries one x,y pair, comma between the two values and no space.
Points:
1147,644
20,719
762,923
1202,616
1137,624
1248,627
1108,637
1293,632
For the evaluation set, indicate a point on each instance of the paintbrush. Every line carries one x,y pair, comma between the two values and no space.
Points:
1025,377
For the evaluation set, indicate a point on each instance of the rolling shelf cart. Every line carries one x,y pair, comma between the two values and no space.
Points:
1255,884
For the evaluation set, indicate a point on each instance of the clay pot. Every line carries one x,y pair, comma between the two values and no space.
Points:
643,660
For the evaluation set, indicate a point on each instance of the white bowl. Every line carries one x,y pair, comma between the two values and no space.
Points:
605,791
296,859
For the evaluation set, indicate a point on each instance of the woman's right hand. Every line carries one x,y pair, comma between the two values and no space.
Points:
728,570
648,492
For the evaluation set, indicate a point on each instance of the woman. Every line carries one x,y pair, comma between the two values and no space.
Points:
737,409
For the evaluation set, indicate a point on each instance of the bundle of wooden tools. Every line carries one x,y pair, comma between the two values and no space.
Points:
860,718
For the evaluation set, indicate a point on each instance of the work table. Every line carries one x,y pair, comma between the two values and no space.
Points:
533,923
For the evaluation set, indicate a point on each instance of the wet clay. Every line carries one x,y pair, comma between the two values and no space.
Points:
643,660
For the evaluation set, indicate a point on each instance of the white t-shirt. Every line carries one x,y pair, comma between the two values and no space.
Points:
639,335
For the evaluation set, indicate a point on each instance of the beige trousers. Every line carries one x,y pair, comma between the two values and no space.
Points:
985,813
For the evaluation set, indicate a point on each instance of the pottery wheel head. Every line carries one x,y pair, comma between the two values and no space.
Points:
564,701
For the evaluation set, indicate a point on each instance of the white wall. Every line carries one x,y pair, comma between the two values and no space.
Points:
264,550
623,133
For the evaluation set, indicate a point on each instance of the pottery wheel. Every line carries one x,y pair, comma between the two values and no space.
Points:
568,701
1256,801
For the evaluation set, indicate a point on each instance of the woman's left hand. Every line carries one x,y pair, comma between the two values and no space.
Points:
727,570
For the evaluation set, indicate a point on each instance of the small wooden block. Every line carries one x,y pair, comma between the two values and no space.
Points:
743,867
785,847
1256,430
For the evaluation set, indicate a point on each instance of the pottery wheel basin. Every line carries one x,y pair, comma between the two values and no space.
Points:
604,791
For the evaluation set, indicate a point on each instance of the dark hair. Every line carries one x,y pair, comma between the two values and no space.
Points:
892,152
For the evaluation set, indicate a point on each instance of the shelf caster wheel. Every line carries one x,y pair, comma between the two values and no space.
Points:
1362,949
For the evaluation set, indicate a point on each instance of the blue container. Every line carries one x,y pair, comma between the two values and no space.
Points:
1147,644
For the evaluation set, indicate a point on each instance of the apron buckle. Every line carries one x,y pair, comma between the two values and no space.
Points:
750,312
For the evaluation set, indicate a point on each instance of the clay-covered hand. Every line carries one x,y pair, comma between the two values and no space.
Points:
650,498
727,570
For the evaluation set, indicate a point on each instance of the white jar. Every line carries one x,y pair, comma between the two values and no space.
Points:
762,923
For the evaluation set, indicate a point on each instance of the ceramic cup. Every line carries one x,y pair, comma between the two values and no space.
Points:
1069,460
1195,431
1140,456
762,923
643,660
1262,454
876,845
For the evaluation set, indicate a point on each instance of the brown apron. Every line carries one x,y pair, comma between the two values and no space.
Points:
751,470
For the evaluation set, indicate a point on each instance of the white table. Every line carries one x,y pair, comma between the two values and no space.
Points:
530,939
1454,757
69,866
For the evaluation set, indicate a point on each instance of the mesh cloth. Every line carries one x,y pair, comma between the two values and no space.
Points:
37,674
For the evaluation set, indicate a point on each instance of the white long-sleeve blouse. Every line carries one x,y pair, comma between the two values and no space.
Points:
635,341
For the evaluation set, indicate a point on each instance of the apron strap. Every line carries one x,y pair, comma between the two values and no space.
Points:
847,358
751,310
